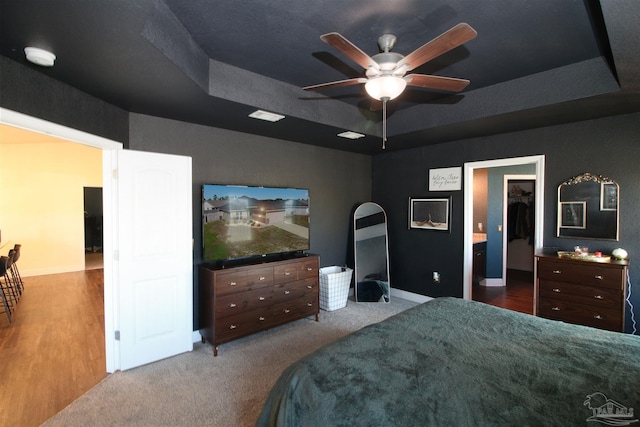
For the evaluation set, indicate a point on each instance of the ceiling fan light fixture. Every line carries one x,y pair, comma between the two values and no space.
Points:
386,86
39,56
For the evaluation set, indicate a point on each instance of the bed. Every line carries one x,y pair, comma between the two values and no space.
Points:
453,362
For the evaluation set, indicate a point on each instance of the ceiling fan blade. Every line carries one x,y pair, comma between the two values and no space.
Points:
337,83
450,84
349,49
446,41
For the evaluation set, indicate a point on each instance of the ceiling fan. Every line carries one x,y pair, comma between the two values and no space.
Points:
386,72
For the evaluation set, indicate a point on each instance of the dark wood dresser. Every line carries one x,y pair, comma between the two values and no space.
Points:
581,292
239,301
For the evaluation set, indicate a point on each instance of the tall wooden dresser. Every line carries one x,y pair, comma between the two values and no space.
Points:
581,292
239,301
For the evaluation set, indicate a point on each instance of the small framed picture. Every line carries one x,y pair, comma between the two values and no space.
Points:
430,214
608,196
573,215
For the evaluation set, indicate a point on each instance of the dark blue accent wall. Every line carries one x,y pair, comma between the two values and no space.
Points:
607,146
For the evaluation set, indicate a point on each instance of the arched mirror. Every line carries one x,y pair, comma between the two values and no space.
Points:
371,253
588,208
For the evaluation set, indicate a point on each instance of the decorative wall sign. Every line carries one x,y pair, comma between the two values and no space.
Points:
445,179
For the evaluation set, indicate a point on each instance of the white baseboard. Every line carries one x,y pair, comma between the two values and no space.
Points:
492,282
399,293
409,296
55,270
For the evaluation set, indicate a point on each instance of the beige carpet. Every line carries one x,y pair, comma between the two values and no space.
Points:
197,389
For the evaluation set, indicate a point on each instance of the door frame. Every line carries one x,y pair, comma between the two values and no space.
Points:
109,194
469,169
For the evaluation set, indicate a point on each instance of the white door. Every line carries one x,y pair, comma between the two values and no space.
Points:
154,256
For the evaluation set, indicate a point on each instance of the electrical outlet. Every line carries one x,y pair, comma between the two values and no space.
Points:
436,277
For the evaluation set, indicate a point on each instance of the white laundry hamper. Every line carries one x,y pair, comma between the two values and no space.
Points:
334,287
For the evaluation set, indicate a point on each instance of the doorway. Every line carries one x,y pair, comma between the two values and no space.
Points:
93,232
494,230
39,126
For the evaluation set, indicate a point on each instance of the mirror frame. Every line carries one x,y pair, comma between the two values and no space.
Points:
356,217
579,222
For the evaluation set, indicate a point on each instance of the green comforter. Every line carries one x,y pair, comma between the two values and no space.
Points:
451,362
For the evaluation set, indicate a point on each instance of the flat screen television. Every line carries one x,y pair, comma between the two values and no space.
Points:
244,222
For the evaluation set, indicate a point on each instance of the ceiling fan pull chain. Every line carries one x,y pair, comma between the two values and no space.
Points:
384,123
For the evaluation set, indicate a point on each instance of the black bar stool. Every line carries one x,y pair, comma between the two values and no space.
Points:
13,268
6,290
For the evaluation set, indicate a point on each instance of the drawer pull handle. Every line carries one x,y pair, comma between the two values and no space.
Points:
287,292
261,299
309,287
309,304
287,311
597,276
557,290
555,308
233,326
309,268
557,271
232,283
597,316
261,278
232,305
261,318
598,297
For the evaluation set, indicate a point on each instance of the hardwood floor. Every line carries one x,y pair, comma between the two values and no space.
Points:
517,295
53,351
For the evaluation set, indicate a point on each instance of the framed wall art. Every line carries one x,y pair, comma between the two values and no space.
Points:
608,196
573,214
430,214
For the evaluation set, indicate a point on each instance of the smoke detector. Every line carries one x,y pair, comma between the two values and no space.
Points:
39,56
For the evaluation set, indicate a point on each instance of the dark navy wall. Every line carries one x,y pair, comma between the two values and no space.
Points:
606,147
31,92
337,180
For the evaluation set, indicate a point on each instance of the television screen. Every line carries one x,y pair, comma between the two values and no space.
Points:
240,221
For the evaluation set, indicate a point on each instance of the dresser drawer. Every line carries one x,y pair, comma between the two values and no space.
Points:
602,298
287,311
229,305
241,281
581,272
295,290
309,268
571,312
242,324
285,273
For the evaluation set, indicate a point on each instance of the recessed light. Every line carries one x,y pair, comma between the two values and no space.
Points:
39,56
351,135
265,115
